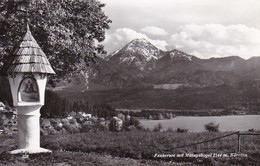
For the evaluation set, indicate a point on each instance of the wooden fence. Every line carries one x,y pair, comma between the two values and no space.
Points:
238,133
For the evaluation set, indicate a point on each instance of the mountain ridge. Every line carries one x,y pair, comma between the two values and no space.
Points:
141,63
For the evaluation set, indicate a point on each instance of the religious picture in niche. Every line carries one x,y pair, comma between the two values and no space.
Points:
28,90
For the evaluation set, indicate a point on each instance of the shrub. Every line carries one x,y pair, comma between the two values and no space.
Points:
180,130
132,124
158,127
71,128
131,128
212,127
87,128
170,130
100,126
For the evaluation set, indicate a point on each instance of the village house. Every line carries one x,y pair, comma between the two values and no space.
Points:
116,124
85,115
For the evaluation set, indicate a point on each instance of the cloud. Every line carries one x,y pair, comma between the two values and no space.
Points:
170,14
203,41
218,28
154,31
128,34
218,40
122,36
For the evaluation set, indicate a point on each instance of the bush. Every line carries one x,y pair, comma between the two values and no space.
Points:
158,128
131,128
170,130
100,125
71,128
132,124
212,127
180,130
87,128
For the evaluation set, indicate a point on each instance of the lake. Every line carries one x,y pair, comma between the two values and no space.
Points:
196,124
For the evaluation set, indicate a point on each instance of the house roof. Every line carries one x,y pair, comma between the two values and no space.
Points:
28,57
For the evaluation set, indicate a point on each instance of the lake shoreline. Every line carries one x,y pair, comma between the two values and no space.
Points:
142,118
158,113
196,123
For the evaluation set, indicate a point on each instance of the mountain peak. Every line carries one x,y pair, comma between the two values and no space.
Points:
179,55
140,40
138,51
134,46
141,46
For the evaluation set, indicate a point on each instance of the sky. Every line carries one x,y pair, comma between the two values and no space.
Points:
204,28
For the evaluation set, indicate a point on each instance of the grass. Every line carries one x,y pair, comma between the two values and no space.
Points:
75,159
142,144
136,148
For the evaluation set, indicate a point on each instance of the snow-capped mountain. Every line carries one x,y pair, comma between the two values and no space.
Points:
137,53
141,63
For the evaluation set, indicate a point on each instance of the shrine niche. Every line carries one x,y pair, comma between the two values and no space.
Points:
27,69
28,90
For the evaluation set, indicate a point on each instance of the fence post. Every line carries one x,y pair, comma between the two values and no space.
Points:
238,142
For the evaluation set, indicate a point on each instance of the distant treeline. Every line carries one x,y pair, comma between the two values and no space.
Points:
57,106
228,97
201,101
158,114
150,114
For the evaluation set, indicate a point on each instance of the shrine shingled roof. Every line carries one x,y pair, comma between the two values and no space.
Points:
29,57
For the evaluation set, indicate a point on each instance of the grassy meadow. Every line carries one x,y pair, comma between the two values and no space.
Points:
144,144
137,148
